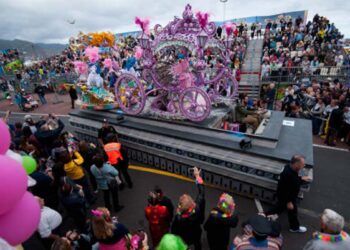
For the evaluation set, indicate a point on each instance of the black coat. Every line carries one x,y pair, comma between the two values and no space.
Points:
288,185
73,94
189,228
218,230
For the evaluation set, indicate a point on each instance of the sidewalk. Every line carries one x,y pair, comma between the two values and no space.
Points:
62,108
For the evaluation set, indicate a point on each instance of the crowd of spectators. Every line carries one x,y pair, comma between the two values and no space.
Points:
300,47
72,174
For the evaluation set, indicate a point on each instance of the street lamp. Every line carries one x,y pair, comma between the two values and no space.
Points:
144,41
202,39
224,9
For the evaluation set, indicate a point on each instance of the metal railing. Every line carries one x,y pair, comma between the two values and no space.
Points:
307,74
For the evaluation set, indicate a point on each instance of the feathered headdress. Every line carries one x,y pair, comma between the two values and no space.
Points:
92,54
229,28
203,18
143,23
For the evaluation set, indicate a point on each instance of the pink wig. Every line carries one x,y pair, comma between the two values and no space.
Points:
107,63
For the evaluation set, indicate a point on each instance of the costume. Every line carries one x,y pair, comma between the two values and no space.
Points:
157,216
187,224
323,241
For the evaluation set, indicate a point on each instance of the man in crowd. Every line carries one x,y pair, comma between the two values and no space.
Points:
246,116
331,235
287,192
48,227
105,131
40,91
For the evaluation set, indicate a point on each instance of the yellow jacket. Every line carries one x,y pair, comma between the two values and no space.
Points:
73,169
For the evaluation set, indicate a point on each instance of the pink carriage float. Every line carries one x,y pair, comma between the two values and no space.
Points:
181,87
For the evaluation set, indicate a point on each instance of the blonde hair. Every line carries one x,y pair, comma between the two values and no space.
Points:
185,202
102,226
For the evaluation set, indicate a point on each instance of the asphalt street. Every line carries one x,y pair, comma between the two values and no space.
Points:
330,189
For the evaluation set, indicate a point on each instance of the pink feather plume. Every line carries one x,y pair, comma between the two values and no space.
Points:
138,53
143,23
107,63
203,18
228,28
92,54
81,67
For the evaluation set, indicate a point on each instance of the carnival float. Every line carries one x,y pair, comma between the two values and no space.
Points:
175,80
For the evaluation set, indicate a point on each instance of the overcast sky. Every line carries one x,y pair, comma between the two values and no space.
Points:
46,20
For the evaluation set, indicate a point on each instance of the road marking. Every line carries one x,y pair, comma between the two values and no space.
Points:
328,147
32,114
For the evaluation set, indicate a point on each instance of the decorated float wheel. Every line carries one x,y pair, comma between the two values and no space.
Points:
130,94
195,104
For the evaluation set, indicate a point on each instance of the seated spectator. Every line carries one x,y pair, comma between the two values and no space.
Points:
107,232
331,235
246,116
220,221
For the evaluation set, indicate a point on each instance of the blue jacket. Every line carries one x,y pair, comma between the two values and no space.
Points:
104,175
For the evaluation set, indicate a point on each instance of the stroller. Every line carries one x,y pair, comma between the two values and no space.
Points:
26,102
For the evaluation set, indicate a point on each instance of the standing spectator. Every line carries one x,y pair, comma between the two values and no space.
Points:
287,192
118,158
73,95
88,151
256,235
165,201
48,227
108,233
40,91
221,220
190,215
105,176
157,216
334,124
104,131
316,113
331,235
74,170
74,202
270,96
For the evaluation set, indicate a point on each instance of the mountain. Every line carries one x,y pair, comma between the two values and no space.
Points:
30,50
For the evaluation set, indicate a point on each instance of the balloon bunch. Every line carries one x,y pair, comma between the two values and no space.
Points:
19,210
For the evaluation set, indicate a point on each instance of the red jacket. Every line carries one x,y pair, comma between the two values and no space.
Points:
157,217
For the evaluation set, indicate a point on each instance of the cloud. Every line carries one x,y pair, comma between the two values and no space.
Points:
46,20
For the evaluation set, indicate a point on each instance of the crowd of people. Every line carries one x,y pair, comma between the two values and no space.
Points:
71,174
299,47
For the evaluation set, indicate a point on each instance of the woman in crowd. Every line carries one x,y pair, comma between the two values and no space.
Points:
106,175
110,234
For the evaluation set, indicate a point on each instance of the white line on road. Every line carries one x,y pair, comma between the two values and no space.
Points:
33,114
328,147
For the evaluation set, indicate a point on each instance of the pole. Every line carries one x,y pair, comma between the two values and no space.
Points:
224,10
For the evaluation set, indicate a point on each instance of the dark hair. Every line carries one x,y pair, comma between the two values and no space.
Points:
296,158
65,157
18,125
98,161
27,131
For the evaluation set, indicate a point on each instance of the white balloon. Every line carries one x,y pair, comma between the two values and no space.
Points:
17,157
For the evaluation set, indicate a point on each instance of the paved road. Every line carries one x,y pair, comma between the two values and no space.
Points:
330,189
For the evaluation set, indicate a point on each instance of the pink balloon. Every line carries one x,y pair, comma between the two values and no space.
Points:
21,221
13,183
5,137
